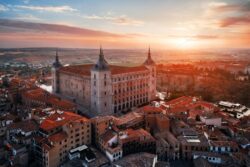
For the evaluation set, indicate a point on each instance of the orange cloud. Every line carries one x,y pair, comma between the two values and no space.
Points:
25,34
234,21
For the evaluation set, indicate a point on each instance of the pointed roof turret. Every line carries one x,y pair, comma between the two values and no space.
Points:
149,60
101,63
57,63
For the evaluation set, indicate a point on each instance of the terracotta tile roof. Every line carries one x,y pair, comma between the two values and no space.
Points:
128,118
137,134
107,136
58,137
60,119
180,101
63,104
41,95
26,126
224,144
151,109
86,69
36,94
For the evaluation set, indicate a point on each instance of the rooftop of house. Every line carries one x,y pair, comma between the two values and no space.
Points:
231,144
128,118
150,109
59,119
199,140
137,160
39,94
25,126
60,136
131,135
85,69
107,136
98,119
214,134
189,102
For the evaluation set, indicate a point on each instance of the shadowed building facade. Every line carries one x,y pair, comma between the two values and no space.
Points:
106,89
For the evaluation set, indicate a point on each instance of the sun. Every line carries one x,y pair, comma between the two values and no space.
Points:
184,43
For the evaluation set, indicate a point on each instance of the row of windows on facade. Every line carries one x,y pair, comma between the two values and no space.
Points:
131,98
105,83
132,103
129,104
76,140
72,85
116,154
130,77
130,88
134,76
83,88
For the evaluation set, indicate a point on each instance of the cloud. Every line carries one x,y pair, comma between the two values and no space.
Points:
206,36
27,17
229,21
236,7
232,14
195,37
52,28
3,8
14,33
57,9
119,20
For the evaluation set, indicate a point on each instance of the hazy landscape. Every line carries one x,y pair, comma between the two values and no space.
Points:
117,56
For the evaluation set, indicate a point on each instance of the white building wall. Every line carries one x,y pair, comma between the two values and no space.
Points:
76,87
211,121
152,82
115,156
92,93
101,92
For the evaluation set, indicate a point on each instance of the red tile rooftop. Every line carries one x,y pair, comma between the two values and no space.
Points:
180,100
86,69
36,94
41,95
58,137
60,103
224,144
26,126
60,119
131,135
107,136
132,116
151,109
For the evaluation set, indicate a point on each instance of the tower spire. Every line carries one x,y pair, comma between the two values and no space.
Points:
149,53
101,64
149,60
101,51
57,62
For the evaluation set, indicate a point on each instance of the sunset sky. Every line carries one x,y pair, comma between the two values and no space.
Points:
163,24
